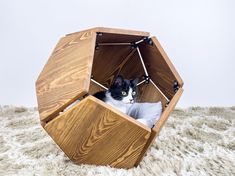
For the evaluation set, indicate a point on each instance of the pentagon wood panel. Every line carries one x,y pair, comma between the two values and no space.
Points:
132,67
93,132
123,32
148,93
160,67
113,35
94,88
110,35
108,61
66,76
118,38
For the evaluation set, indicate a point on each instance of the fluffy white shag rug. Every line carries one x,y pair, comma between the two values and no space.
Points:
194,141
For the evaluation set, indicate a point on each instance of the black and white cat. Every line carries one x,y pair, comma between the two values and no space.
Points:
121,95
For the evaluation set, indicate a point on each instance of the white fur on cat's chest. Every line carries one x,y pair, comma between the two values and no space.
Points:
123,107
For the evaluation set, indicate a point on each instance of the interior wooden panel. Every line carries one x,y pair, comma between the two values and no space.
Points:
160,123
130,68
111,138
159,67
121,31
133,67
115,35
120,35
94,88
66,75
109,61
148,93
118,38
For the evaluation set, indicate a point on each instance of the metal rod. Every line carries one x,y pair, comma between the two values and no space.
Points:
159,90
139,41
105,44
141,82
141,59
71,105
99,84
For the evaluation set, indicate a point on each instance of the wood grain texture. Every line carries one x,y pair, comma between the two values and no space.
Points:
121,31
94,88
133,67
160,123
118,38
109,61
66,75
159,67
148,93
93,132
117,35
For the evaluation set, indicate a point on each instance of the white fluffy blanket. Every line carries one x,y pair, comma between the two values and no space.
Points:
146,113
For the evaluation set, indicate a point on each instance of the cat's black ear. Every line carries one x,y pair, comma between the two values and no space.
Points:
118,81
135,81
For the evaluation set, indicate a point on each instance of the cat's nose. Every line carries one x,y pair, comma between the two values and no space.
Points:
131,100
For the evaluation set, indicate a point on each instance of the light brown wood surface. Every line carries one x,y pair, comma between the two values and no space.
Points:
109,61
66,75
132,68
94,132
111,35
94,88
148,93
159,67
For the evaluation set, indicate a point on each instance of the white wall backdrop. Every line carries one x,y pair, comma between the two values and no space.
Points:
198,36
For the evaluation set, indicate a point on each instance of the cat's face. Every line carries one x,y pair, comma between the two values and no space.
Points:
124,90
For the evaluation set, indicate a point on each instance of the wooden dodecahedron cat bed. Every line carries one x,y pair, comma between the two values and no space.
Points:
93,132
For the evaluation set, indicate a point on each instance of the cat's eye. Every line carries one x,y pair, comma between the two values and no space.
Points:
123,93
133,93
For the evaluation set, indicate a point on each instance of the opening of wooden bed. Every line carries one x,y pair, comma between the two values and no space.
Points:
82,63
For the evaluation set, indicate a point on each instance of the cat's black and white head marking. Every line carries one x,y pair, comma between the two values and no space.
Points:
124,90
121,94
